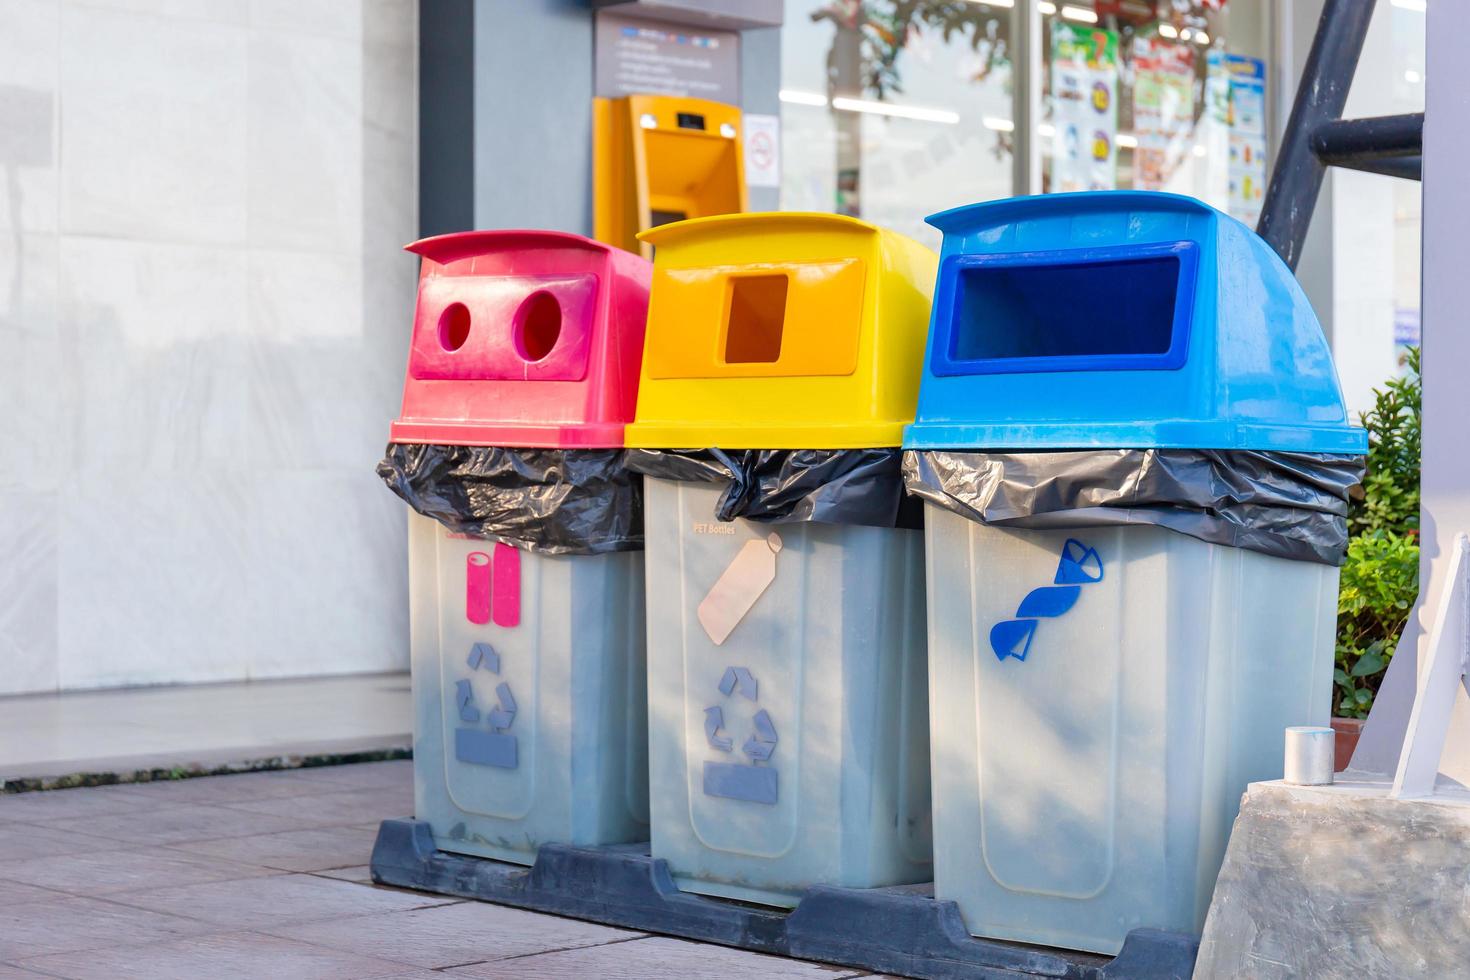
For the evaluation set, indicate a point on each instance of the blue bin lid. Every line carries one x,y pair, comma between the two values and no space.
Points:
1121,319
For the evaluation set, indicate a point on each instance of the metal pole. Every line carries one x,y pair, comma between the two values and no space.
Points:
1320,98
1025,98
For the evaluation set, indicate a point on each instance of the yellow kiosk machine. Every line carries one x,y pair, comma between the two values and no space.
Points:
660,158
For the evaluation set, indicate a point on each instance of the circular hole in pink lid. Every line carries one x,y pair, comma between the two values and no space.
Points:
537,325
454,326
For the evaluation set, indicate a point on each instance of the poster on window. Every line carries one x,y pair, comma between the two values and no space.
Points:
1214,134
1084,108
1163,110
1233,135
1247,136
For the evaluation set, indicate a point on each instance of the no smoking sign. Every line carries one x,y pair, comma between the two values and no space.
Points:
762,151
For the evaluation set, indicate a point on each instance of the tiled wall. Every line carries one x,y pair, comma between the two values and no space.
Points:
203,323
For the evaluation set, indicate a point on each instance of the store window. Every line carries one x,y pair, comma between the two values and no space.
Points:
1393,83
1168,96
1361,263
894,109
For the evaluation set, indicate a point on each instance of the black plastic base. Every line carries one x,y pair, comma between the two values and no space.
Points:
898,930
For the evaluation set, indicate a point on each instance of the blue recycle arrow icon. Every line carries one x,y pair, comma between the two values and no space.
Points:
714,722
464,697
762,742
484,655
503,715
739,679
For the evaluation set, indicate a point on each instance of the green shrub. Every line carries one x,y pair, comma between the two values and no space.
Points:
1380,577
1379,582
1389,497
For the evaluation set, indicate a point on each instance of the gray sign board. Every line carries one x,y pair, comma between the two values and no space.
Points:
731,15
639,56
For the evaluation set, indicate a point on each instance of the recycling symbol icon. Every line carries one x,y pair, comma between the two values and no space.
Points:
754,782
478,746
1079,565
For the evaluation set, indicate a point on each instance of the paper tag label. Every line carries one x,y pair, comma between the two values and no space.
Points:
739,586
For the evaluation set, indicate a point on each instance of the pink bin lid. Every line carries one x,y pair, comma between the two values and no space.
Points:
524,338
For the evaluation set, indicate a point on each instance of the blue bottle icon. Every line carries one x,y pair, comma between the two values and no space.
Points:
1079,565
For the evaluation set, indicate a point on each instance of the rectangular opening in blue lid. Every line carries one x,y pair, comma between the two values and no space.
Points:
1121,308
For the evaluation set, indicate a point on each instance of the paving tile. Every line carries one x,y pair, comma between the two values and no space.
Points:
239,954
182,861
277,901
316,849
68,924
451,935
63,804
107,872
366,775
19,841
16,893
652,959
360,873
352,807
177,823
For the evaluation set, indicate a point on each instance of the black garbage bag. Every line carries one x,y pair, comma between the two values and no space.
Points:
552,501
788,486
1292,505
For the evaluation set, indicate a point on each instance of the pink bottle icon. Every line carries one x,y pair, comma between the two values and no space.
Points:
493,587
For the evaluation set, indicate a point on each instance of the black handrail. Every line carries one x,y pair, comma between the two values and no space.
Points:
1317,136
1382,144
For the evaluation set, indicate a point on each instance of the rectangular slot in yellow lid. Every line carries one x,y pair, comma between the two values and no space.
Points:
816,328
755,318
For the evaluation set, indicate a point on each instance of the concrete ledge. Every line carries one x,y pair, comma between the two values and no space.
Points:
1340,881
90,738
78,773
899,930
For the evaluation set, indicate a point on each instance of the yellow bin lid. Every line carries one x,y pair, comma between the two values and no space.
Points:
786,330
